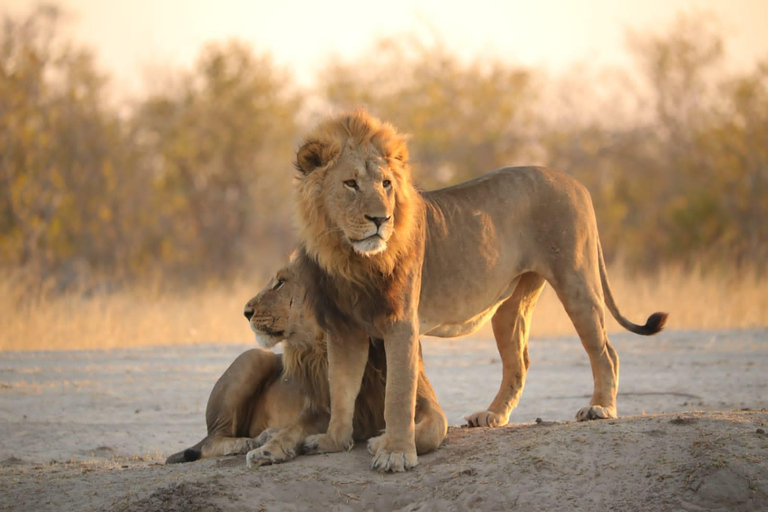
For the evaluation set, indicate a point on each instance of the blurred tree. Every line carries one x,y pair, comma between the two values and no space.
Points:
220,149
686,180
194,179
733,141
708,173
190,182
61,153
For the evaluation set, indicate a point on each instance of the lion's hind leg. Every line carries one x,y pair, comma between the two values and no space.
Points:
431,425
581,295
511,326
237,407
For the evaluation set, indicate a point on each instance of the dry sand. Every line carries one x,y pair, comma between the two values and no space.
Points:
88,430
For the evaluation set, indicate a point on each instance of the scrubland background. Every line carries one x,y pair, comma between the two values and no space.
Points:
153,220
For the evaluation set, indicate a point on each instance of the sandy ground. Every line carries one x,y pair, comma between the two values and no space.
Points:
89,430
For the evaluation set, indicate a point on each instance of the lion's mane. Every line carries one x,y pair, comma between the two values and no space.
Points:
332,271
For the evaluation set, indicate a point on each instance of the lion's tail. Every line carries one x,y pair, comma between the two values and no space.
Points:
188,455
655,322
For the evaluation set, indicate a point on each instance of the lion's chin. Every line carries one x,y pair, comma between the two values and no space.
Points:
268,340
369,246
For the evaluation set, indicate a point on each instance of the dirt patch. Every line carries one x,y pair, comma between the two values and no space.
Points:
717,462
89,430
182,497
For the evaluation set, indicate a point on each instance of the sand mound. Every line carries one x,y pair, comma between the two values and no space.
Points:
680,461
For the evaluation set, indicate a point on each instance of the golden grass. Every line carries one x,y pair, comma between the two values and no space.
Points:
147,315
143,315
694,299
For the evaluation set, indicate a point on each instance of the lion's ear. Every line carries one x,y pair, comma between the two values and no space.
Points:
401,153
312,155
397,148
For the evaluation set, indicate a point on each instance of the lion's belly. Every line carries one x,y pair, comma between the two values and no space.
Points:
452,330
462,315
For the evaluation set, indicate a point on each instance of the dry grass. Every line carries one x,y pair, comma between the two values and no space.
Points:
143,315
694,299
148,315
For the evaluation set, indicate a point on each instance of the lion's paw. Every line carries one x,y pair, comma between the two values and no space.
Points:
394,462
596,412
268,454
486,419
325,443
265,437
374,443
391,457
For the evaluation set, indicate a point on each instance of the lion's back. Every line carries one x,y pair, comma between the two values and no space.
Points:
511,186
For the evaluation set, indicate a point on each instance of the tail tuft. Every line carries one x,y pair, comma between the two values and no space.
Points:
192,454
654,324
188,455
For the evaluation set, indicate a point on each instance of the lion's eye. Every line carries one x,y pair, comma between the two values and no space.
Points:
351,184
279,284
386,183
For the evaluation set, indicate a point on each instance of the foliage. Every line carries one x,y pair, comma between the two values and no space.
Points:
193,180
63,154
219,150
687,180
183,185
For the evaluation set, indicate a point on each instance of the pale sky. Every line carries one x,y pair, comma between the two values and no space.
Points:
131,35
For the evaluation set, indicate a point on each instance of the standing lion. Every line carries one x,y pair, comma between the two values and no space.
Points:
382,259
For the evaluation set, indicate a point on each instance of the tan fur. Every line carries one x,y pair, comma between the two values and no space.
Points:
266,404
381,259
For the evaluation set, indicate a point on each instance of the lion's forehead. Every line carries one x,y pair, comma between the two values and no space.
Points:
376,164
362,161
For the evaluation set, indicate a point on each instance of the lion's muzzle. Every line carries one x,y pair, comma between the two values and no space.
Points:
266,324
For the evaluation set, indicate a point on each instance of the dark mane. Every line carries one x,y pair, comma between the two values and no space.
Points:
338,303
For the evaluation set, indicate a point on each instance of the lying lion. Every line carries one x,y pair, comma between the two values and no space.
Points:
267,405
382,259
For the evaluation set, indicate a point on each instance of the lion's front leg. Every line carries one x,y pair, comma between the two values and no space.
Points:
347,357
284,446
395,450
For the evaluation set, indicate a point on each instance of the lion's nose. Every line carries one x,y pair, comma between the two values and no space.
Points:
377,220
248,312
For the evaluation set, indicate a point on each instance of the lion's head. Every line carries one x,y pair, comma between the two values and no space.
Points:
355,196
278,312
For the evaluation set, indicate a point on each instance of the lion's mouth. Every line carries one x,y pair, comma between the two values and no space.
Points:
369,246
264,329
367,238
